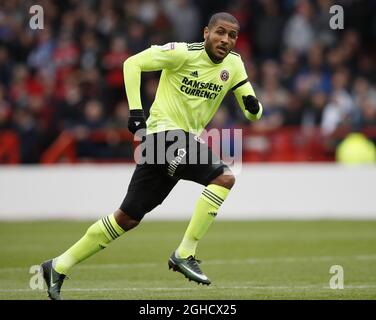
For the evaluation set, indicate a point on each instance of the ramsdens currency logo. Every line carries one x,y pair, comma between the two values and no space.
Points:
201,89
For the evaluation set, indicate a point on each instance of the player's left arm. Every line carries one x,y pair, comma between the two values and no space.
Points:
245,95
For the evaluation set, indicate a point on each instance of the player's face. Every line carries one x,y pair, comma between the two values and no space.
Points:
220,39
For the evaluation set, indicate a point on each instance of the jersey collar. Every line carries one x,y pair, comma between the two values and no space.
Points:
207,58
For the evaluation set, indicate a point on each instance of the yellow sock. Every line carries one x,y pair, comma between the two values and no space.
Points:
205,211
96,238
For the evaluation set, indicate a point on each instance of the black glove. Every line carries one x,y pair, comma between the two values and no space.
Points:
136,120
251,104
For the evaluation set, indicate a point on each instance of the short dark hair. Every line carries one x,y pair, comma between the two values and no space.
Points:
222,16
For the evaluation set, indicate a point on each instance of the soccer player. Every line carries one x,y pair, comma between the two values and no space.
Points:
194,80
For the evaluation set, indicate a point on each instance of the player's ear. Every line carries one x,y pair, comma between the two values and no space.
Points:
206,32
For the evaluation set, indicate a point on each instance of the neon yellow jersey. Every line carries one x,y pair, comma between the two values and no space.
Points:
191,86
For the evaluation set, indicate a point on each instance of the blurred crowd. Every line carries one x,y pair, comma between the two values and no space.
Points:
68,76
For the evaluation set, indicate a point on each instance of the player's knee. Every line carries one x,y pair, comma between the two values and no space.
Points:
125,221
229,180
226,180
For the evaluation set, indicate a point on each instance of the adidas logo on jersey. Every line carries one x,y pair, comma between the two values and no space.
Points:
194,74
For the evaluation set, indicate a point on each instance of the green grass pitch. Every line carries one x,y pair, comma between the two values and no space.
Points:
244,259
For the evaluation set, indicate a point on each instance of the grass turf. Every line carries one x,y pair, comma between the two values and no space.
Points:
244,260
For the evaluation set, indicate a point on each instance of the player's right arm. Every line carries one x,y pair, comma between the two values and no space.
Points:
169,56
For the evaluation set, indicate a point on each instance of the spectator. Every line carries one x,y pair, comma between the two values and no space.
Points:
298,33
362,90
90,51
273,96
66,53
107,20
183,14
289,68
71,103
117,147
5,111
93,119
293,112
341,105
269,23
148,12
323,34
121,114
313,76
6,67
312,116
113,66
368,113
18,91
93,115
137,36
26,127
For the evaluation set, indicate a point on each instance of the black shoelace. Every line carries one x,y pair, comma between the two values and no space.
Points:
194,264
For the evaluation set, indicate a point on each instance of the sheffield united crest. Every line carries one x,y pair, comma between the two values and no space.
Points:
224,75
